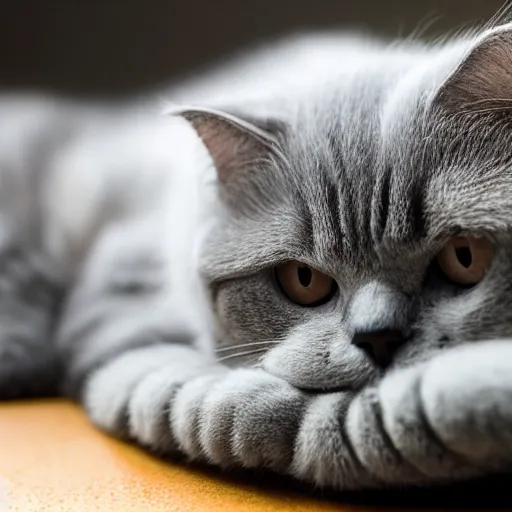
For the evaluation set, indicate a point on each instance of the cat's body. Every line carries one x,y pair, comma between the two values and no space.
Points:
131,263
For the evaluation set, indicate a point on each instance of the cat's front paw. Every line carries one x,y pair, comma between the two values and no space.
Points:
244,418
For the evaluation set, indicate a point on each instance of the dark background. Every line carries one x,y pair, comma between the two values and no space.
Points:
111,47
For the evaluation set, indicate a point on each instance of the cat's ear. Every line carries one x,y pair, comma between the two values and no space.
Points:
483,80
235,142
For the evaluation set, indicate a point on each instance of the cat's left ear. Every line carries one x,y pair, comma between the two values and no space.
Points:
483,79
235,142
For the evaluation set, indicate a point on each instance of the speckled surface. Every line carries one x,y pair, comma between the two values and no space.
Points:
52,460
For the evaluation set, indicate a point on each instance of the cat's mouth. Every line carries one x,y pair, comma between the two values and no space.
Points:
344,387
328,390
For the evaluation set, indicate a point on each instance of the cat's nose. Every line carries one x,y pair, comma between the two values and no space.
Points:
379,345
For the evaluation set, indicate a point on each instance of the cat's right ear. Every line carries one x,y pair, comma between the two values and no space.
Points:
483,79
236,143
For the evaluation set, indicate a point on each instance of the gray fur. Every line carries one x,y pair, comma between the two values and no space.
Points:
357,157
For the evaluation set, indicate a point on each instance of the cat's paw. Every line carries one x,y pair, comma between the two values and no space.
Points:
467,399
245,418
249,418
130,395
449,418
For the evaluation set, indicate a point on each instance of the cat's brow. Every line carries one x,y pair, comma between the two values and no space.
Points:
254,259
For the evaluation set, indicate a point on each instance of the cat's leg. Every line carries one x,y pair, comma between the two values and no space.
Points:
172,400
29,299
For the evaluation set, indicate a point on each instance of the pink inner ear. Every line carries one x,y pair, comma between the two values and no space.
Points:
484,79
230,147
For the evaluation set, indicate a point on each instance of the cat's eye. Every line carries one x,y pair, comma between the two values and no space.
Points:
303,284
465,260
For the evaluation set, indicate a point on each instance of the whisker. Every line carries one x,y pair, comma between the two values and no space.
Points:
240,354
244,345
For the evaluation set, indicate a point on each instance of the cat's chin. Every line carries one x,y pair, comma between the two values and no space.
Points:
321,373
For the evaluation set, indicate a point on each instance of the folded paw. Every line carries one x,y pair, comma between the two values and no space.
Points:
252,419
467,397
446,419
243,418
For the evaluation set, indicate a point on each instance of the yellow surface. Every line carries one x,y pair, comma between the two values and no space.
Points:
52,460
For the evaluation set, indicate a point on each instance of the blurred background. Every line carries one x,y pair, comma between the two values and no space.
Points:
120,47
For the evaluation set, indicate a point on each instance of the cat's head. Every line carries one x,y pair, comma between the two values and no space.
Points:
372,226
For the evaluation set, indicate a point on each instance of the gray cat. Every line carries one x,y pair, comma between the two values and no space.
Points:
308,270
